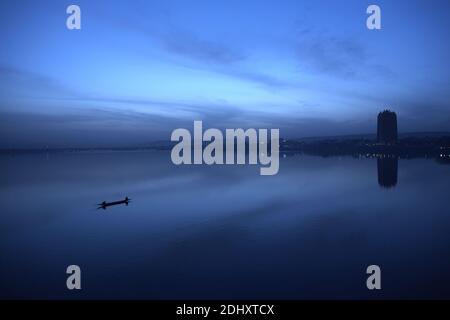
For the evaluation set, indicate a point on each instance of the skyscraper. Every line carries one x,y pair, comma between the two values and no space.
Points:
387,127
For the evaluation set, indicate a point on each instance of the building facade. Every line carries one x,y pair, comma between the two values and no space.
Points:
387,132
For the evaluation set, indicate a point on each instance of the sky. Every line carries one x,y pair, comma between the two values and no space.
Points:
137,70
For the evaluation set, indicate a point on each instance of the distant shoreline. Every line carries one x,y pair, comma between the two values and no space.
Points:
167,145
409,145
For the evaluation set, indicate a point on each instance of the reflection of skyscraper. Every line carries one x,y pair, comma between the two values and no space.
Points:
387,171
387,127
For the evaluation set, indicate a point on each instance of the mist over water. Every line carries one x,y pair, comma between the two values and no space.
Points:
225,232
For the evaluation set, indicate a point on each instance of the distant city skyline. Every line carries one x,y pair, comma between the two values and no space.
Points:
139,69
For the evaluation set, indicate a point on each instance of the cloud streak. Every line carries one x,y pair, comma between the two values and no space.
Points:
337,56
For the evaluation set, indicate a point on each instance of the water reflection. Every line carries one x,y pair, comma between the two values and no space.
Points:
222,232
387,171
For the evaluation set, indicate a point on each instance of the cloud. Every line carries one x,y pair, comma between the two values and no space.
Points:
28,84
218,58
179,41
114,126
198,52
259,78
338,56
105,122
332,56
190,46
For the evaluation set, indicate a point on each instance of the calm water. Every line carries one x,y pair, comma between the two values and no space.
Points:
222,231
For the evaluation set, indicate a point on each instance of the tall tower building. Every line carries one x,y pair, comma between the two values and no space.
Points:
387,127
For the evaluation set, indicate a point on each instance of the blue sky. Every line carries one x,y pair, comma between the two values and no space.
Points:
139,69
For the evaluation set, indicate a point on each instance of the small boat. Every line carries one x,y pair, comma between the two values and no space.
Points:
105,204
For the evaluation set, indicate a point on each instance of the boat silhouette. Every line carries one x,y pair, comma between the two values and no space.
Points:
105,204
